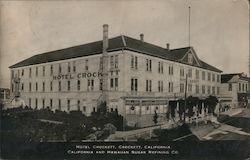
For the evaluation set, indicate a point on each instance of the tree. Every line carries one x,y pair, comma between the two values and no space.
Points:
191,102
155,118
211,102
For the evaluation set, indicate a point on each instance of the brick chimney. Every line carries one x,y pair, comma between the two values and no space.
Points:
142,37
105,37
168,46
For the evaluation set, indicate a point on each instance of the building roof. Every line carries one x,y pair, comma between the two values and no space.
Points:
116,43
225,78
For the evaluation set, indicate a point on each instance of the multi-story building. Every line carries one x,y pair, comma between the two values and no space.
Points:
141,77
236,88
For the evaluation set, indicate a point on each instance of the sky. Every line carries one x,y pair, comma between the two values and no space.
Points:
219,29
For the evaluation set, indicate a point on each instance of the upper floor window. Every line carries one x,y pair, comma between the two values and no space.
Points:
213,90
59,86
160,86
43,86
182,88
78,85
148,65
112,61
74,66
160,67
203,75
190,72
190,58
132,61
213,77
86,65
116,61
68,85
197,90
60,69
239,86
136,62
218,78
36,71
171,70
230,87
134,84
43,70
30,72
68,105
148,85
69,67
51,85
101,84
208,89
30,86
170,87
78,105
182,72
203,89
209,76
197,74
22,72
51,69
189,87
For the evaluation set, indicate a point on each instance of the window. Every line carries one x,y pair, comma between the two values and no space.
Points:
203,89
68,85
30,102
197,74
116,83
182,72
51,103
30,86
68,105
88,88
60,69
22,72
86,65
22,88
213,90
181,88
111,83
59,104
246,87
43,86
149,85
78,85
69,67
36,86
134,84
218,90
171,70
197,89
59,86
239,86
170,87
160,67
218,78
243,87
160,86
43,70
190,58
189,87
116,61
51,69
92,84
101,84
209,76
150,65
74,66
18,73
112,61
190,72
132,61
30,72
213,77
36,71
147,65
208,89
84,108
43,103
136,62
203,75
51,85
36,103
78,105
230,87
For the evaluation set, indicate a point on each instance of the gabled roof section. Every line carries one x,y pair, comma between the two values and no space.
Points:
117,43
225,78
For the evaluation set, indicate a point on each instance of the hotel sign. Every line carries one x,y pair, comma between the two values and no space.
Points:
77,75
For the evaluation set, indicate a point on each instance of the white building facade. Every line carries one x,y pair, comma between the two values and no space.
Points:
142,78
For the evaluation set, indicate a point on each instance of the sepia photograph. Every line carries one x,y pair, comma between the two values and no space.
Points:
125,79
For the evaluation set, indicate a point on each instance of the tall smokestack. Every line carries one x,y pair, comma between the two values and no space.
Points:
105,37
168,46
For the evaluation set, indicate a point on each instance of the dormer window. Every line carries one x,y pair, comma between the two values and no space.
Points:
190,58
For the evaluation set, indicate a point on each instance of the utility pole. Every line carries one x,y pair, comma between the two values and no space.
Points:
189,26
185,97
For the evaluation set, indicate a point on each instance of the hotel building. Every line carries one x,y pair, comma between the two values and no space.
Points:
137,78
